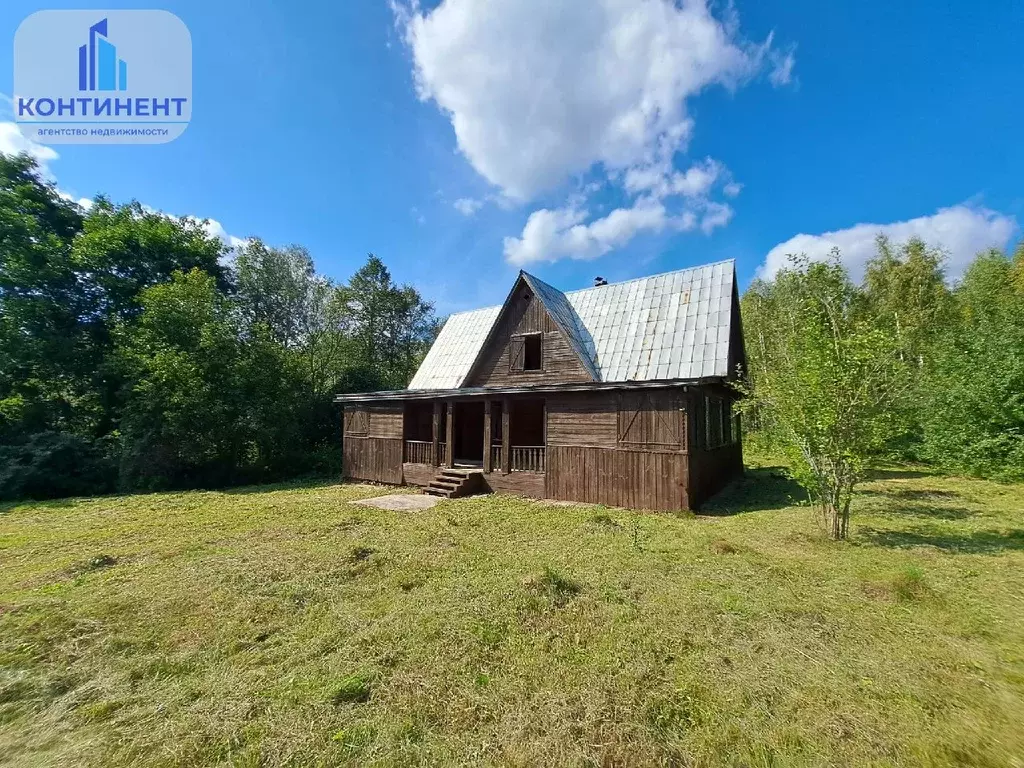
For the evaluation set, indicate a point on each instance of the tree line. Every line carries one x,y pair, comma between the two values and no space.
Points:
901,366
138,353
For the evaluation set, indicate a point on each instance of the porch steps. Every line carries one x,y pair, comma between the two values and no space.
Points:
453,483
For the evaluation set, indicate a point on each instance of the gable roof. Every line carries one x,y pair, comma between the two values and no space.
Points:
676,325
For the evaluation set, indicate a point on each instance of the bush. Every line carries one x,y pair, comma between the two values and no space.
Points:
51,465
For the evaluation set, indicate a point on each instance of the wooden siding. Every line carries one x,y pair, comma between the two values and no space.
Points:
598,451
373,458
377,454
419,474
559,361
583,420
520,483
618,477
384,420
712,470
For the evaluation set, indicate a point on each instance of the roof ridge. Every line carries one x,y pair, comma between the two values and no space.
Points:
649,277
594,287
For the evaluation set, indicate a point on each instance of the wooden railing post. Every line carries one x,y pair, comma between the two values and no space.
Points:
435,435
487,435
449,459
506,435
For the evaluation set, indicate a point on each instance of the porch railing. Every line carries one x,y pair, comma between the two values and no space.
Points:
496,458
417,451
527,458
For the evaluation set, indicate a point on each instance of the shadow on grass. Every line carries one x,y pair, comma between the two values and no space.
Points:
759,489
284,485
901,473
976,542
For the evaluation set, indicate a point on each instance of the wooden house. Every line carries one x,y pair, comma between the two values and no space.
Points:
616,394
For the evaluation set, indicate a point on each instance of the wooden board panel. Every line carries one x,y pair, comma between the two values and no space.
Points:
617,477
712,470
419,474
523,483
582,420
373,458
386,421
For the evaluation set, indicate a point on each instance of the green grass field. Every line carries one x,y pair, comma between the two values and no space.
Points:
283,626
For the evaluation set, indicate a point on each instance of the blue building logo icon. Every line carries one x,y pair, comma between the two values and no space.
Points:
99,68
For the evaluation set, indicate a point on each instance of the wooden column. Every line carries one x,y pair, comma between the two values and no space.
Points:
506,436
487,435
435,435
450,436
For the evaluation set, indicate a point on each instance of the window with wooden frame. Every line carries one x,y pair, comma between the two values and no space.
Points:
357,421
651,422
718,429
526,352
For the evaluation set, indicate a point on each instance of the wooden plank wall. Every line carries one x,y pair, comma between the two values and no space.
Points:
620,478
587,463
560,363
530,484
377,455
712,470
419,474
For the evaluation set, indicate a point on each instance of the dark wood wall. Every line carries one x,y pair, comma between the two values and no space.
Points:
624,449
711,469
560,362
373,443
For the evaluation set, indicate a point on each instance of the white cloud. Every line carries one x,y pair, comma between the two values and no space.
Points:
782,68
467,206
214,228
550,235
716,215
541,91
661,181
961,231
13,142
732,189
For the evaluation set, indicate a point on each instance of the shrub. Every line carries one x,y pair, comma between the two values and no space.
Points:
51,465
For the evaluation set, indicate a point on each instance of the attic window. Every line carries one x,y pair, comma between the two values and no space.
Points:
525,352
532,353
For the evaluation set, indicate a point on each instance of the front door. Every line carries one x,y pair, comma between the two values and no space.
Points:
469,433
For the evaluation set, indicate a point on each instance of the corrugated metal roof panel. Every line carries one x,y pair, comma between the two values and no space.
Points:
449,359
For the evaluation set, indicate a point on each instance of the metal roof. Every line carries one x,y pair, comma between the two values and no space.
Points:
448,362
671,326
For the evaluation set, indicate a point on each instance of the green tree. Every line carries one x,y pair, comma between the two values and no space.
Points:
907,296
205,407
40,303
972,407
823,380
391,326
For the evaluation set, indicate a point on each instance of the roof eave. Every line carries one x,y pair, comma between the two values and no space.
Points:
595,386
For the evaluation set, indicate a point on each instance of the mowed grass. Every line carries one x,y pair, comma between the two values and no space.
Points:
283,626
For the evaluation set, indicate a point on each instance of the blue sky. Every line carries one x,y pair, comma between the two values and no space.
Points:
769,121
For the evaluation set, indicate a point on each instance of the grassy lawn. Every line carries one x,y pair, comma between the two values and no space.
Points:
283,626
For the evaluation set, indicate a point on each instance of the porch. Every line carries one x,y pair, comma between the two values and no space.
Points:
492,435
